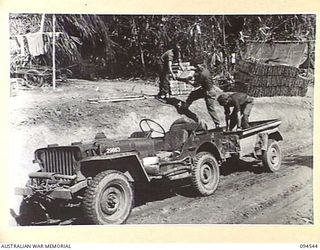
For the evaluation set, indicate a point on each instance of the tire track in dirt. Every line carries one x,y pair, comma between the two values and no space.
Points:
241,214
295,209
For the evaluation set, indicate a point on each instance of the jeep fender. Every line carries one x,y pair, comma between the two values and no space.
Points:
211,148
128,163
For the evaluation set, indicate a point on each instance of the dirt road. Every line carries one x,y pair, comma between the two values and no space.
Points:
246,195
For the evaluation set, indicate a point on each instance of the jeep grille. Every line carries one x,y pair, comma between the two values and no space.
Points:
57,160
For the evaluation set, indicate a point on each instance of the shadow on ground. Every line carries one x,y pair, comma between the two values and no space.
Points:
303,160
181,108
160,190
236,165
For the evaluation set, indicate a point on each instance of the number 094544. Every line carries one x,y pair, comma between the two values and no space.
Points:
308,246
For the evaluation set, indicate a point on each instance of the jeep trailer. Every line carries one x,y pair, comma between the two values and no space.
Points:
100,177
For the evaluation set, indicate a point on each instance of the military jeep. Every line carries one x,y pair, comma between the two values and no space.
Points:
101,176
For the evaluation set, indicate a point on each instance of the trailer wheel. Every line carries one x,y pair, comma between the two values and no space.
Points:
205,174
108,199
271,158
33,78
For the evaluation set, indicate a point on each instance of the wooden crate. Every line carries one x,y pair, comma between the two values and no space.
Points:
180,88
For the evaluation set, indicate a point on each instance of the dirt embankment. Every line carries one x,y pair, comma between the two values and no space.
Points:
67,110
42,117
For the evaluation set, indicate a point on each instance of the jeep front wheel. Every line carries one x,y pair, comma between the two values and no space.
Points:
205,174
108,199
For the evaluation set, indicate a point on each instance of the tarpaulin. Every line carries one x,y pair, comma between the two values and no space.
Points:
291,54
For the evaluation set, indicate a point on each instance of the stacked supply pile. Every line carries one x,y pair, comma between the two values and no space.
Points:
261,79
180,86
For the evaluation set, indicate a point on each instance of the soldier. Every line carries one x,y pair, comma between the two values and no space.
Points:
242,105
206,91
165,69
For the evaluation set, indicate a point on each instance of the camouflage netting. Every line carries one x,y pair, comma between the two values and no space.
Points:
260,79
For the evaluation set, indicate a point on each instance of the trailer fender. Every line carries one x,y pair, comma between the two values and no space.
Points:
276,136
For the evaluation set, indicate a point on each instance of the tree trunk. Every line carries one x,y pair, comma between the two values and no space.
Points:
142,60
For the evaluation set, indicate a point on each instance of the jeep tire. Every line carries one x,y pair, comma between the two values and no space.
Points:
205,174
108,199
271,157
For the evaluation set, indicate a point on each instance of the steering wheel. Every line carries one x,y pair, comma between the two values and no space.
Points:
151,124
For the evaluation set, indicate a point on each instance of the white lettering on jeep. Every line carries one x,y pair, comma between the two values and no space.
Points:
112,150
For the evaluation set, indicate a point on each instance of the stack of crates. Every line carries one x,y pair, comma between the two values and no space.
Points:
261,79
181,87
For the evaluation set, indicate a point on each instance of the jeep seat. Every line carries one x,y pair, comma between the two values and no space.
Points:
138,134
175,139
186,124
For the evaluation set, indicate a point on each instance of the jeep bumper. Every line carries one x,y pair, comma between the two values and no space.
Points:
64,193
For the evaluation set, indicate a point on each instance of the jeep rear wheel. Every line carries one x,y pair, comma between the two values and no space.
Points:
205,174
108,199
271,158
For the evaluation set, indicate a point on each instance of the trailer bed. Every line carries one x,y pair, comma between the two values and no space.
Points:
250,141
256,127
